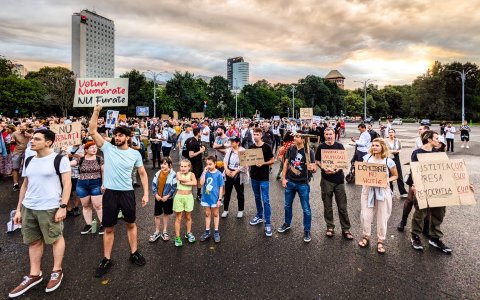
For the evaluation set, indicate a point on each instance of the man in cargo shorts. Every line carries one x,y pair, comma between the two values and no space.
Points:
41,210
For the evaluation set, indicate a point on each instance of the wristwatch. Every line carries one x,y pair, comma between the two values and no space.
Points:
63,206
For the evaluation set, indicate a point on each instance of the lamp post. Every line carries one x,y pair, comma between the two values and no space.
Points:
463,75
293,101
236,96
154,76
365,82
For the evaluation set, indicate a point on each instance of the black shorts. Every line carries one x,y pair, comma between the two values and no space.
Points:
197,170
163,207
465,138
113,201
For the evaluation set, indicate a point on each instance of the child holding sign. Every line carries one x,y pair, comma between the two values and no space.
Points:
377,200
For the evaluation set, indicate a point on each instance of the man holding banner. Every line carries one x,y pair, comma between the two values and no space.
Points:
333,183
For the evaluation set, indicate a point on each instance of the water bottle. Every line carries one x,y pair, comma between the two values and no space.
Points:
94,226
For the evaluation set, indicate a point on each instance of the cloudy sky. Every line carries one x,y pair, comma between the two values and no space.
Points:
283,40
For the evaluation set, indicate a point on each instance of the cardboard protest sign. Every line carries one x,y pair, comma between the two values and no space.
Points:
198,115
306,113
142,111
67,134
250,157
175,115
165,117
432,156
122,117
334,159
103,91
370,174
434,181
112,117
462,180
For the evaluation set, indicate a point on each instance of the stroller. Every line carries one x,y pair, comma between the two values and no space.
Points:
350,177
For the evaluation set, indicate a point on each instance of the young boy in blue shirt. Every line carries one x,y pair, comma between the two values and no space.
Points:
212,183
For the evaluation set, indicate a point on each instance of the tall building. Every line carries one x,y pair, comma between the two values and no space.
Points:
93,45
230,63
336,77
240,75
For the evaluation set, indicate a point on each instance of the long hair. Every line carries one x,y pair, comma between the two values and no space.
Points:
385,151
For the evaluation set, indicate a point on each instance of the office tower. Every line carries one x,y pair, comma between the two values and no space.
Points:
230,63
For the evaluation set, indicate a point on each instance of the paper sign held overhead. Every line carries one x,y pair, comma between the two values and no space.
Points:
175,115
251,157
111,118
334,159
198,115
103,91
142,111
165,117
67,134
370,174
306,113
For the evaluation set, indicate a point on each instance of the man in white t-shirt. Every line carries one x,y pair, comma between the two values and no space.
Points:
182,138
205,138
41,209
120,160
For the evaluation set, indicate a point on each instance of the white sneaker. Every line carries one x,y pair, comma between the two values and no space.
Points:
240,214
224,213
468,147
461,146
404,195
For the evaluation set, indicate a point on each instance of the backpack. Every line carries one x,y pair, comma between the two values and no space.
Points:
56,164
185,149
171,138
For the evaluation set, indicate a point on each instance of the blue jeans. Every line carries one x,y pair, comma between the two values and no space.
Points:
260,191
303,190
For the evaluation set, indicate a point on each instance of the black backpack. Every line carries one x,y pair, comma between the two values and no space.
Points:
56,164
185,148
171,138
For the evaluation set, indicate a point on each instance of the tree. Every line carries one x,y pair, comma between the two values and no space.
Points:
140,93
59,84
353,104
6,67
189,93
25,95
219,96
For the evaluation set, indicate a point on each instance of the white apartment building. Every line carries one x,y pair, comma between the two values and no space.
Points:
93,45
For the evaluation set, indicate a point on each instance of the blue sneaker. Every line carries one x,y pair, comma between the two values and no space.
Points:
216,237
190,237
256,220
205,236
268,230
307,238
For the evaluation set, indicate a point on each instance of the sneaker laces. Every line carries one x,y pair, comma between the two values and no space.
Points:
54,276
25,280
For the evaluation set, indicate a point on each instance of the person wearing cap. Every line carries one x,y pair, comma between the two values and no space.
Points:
298,166
236,176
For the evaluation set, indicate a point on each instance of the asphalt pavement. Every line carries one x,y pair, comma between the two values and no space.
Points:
247,264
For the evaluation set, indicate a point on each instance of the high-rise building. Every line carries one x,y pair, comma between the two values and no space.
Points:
230,63
93,45
240,75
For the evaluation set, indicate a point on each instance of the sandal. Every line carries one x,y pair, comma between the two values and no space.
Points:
330,232
380,248
348,235
364,242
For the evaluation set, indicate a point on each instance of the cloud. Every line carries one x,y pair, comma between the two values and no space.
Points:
283,40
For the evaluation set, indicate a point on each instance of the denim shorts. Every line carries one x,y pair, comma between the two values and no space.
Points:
89,187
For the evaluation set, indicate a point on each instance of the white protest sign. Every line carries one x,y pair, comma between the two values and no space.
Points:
103,91
67,134
112,117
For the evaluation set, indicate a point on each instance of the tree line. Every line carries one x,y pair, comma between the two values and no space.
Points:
435,95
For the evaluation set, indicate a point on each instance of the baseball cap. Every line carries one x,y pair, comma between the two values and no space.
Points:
235,139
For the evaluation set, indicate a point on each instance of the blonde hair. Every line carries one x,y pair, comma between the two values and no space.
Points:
187,162
385,151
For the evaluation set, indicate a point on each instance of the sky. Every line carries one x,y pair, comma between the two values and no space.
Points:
391,42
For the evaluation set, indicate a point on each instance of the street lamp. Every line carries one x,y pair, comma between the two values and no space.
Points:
293,101
236,96
463,75
365,82
154,76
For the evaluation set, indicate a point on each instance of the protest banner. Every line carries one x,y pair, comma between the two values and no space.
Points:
142,111
434,181
103,91
165,117
111,118
122,117
67,134
251,157
462,179
316,120
198,115
370,174
334,159
306,113
276,118
175,115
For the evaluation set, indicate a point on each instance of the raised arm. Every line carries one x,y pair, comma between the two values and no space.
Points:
92,127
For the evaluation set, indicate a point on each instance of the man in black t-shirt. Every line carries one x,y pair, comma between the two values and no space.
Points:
332,184
195,156
259,175
299,163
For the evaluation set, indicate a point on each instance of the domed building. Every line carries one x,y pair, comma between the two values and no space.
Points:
336,77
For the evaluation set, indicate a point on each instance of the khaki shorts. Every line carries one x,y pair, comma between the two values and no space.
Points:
183,203
40,225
